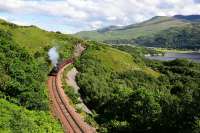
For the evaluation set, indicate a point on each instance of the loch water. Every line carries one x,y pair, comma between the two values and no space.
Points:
195,56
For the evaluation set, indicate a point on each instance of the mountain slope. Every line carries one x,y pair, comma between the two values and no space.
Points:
130,32
22,85
193,18
24,66
176,37
35,39
131,94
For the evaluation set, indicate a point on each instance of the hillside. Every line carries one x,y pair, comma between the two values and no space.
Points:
130,32
35,39
174,32
192,18
177,37
22,88
24,66
131,94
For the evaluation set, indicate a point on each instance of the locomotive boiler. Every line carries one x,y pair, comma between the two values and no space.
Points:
59,66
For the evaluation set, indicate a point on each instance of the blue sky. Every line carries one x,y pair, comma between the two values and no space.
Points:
70,16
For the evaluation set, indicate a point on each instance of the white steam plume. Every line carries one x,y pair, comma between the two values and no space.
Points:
53,56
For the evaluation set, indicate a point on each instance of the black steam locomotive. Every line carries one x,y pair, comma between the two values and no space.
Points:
59,66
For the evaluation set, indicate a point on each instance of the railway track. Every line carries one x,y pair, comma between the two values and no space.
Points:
70,120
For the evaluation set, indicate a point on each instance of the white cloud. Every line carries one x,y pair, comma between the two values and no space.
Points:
20,23
15,21
10,5
96,24
90,14
60,8
111,18
4,18
55,8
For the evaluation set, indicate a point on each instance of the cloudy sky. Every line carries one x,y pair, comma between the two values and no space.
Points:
70,16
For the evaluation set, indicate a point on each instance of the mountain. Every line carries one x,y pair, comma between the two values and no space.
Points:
107,29
193,18
175,37
128,34
148,27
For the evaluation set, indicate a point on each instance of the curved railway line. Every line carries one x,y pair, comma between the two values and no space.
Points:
70,120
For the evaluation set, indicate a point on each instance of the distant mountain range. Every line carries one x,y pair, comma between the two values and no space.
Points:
131,33
193,18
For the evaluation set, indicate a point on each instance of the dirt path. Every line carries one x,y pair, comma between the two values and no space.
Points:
71,78
78,50
71,81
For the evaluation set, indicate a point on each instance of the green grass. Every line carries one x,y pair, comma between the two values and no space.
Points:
118,60
115,59
28,36
35,39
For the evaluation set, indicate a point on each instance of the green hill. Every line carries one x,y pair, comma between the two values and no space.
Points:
170,32
175,37
126,34
23,88
35,39
24,66
117,60
129,93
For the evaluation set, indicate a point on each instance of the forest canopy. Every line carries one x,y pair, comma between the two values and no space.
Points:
135,101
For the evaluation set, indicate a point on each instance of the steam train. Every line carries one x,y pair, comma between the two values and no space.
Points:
59,66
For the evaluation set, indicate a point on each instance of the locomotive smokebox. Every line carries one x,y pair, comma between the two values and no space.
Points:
54,71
